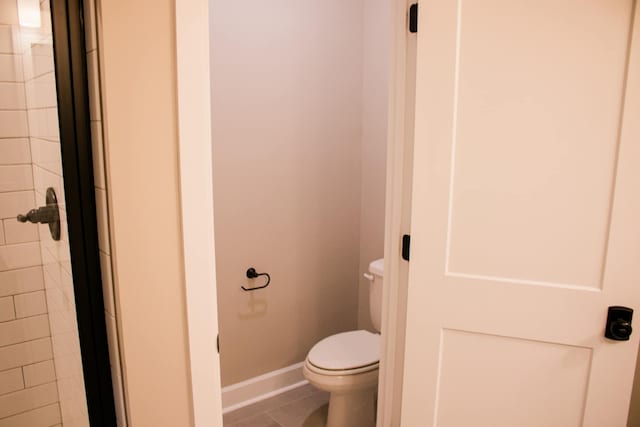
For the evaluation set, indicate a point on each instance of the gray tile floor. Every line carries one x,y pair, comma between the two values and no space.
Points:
304,406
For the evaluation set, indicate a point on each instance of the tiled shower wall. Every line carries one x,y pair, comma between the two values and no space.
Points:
42,113
28,387
37,349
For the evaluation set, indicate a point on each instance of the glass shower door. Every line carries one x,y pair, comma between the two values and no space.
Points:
41,370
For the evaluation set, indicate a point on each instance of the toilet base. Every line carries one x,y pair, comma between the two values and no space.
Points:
352,409
351,399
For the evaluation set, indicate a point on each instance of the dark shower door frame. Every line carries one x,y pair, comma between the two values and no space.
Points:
77,165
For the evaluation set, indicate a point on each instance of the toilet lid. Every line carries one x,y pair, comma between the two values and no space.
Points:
347,350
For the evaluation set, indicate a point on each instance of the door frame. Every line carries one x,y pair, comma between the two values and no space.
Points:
196,172
77,164
397,215
196,193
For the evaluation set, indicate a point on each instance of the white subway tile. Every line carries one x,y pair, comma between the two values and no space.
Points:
55,304
10,68
53,126
34,40
22,255
16,178
94,85
37,123
39,373
41,48
25,353
6,39
64,254
66,344
73,406
62,198
37,65
41,91
97,149
30,398
11,381
14,151
45,416
43,179
12,96
51,271
61,323
7,311
13,124
8,12
22,330
21,281
103,220
14,203
67,366
43,124
47,155
107,284
18,232
30,304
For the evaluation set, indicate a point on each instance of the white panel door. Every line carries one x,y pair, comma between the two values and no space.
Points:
526,213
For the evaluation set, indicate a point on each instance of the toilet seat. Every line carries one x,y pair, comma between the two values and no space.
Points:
343,372
346,353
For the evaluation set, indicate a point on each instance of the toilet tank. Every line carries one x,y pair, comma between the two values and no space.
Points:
376,269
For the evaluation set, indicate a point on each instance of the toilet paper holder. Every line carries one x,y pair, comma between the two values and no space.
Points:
252,274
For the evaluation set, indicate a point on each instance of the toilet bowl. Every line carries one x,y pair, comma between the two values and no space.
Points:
346,366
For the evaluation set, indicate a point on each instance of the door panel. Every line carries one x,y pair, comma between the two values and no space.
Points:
554,385
525,194
546,102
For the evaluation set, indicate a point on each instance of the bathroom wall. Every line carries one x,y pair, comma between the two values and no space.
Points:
28,387
42,296
42,112
286,120
376,36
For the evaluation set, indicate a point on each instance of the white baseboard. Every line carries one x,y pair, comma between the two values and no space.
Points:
262,387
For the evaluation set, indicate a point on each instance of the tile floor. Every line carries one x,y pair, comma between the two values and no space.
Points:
304,406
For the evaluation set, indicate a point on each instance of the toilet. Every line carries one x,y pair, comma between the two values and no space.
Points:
346,365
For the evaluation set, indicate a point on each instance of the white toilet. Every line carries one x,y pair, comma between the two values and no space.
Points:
346,365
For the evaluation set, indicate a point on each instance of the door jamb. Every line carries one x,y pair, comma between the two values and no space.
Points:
193,89
397,207
196,188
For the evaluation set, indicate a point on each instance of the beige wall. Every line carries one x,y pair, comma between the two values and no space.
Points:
137,56
286,114
375,85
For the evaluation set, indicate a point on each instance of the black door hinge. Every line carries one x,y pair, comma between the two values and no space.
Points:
218,343
406,246
413,18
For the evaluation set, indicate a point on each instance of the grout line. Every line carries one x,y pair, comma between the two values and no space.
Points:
57,402
24,382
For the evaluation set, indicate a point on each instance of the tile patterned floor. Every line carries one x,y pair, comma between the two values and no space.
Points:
304,406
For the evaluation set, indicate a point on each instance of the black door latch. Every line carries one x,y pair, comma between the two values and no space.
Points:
619,323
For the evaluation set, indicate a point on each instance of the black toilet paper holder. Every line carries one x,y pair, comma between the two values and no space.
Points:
252,274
